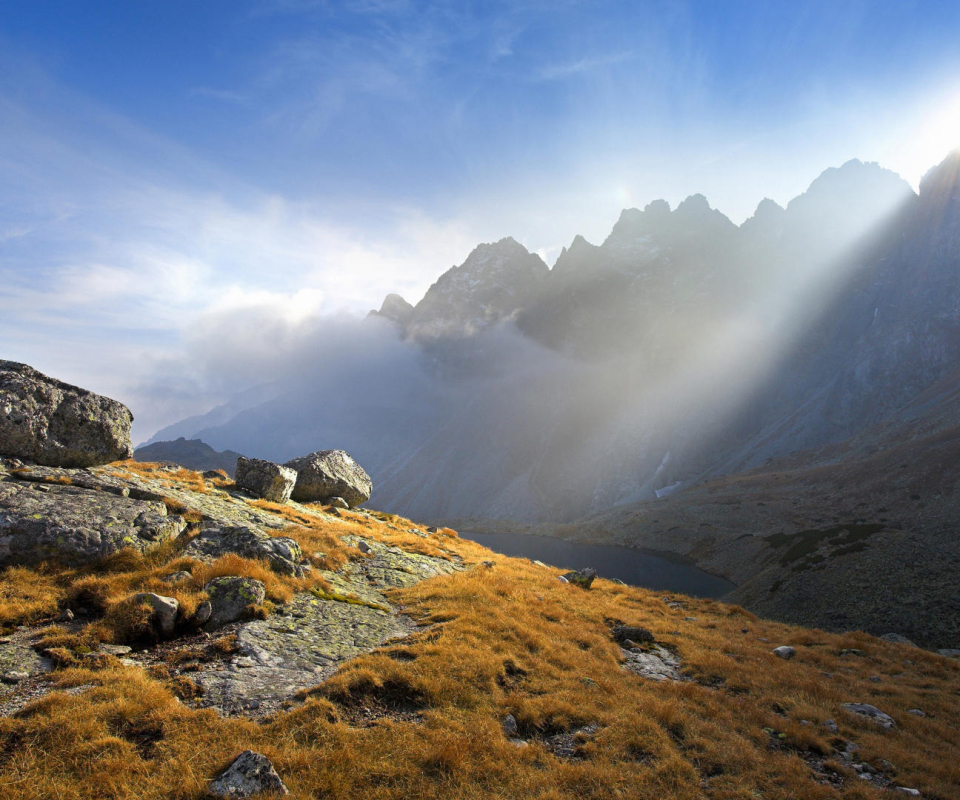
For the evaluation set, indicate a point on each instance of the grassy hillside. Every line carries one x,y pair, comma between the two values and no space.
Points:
423,717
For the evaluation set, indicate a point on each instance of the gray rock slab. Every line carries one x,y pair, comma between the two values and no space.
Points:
76,525
281,655
657,664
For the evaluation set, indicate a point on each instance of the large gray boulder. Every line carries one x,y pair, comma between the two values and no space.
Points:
74,525
58,425
265,479
330,473
281,552
230,597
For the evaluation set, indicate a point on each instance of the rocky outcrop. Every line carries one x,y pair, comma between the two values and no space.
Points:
281,552
249,774
327,474
55,424
73,525
265,479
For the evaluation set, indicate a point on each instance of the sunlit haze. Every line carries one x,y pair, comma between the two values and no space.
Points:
179,180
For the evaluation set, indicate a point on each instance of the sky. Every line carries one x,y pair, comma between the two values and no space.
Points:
180,181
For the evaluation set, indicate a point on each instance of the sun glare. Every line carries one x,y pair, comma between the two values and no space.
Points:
934,139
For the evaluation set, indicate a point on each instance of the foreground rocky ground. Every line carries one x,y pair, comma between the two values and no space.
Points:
380,659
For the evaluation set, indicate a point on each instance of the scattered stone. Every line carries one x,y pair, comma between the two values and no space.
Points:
203,613
908,791
949,652
115,649
874,679
212,475
176,577
282,552
14,676
896,638
338,502
509,726
265,479
785,652
831,726
230,597
622,633
363,547
539,563
871,713
164,610
433,529
580,577
58,425
488,564
327,474
249,774
65,616
851,651
916,712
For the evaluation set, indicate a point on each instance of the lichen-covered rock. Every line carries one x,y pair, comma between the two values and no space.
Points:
282,552
327,474
230,597
582,577
164,610
249,774
785,652
74,525
265,479
53,423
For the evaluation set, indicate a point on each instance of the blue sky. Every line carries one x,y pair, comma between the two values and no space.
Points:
168,167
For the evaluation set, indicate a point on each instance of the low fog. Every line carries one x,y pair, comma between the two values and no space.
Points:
681,347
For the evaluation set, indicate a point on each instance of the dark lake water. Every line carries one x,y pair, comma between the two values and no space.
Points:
610,561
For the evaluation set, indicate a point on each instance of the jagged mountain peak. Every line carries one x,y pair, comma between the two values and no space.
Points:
855,181
495,281
395,309
579,256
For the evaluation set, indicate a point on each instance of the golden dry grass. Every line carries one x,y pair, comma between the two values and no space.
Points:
505,639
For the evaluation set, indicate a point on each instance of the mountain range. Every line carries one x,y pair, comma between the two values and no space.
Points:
682,347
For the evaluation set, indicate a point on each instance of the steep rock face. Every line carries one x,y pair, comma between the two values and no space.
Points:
55,424
492,284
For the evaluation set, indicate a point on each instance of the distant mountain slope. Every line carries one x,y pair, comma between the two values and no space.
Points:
189,453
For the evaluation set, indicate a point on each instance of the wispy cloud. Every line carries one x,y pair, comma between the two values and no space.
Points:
587,64
226,95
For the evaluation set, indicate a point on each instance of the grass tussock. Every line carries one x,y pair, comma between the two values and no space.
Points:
422,718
